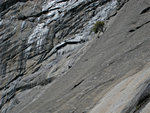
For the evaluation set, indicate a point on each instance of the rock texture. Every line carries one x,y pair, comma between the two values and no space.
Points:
40,41
50,61
129,96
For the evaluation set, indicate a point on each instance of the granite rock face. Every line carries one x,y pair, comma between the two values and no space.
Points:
129,96
40,41
50,61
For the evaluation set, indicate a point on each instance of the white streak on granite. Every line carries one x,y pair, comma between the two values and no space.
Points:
38,35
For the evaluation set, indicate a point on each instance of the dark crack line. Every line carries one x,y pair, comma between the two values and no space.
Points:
146,10
138,27
76,85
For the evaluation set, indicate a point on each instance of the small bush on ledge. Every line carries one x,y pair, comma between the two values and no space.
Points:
98,26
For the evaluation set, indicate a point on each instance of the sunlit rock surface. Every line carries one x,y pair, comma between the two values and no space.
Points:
129,96
52,62
40,41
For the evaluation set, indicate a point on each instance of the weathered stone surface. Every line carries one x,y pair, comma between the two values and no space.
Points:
49,62
40,41
129,96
